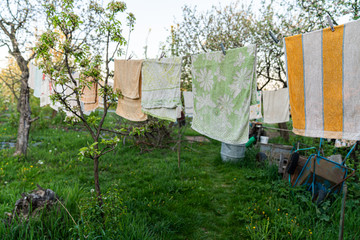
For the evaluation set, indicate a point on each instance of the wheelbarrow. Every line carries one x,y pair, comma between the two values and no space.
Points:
321,175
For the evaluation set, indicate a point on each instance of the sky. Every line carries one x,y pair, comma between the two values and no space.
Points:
157,15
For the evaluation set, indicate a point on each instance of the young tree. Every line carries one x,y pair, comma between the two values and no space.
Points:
83,59
17,20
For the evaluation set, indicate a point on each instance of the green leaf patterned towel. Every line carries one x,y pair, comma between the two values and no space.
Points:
223,86
161,88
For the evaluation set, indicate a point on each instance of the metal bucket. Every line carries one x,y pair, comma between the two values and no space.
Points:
232,153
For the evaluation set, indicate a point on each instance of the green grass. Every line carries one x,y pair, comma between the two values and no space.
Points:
147,197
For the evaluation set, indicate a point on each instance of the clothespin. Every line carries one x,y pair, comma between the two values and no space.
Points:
130,56
330,23
222,48
162,55
274,38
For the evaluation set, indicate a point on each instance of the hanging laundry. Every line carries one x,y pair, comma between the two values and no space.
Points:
65,92
89,96
223,87
189,103
324,81
344,143
101,98
32,73
46,90
35,79
127,78
161,88
255,110
72,98
276,106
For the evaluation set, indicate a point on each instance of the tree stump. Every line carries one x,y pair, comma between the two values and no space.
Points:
31,204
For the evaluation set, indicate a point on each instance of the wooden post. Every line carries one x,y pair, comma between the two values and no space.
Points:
342,215
179,146
356,162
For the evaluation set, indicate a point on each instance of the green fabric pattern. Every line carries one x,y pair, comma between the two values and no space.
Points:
223,87
161,88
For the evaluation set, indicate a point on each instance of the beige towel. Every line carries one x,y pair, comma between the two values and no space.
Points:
126,75
127,78
90,96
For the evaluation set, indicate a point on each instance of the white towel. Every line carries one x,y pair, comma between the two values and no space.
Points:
45,91
276,106
32,73
255,110
189,104
35,79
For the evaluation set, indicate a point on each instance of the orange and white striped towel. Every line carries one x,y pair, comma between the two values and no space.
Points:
324,80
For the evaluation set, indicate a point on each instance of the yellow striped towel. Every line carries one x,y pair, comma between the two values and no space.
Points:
324,82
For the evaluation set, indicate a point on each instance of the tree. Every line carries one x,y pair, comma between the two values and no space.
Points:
10,77
17,19
85,48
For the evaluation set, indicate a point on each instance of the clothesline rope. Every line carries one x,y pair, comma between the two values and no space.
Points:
279,129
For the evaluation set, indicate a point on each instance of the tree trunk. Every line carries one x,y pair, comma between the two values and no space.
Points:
96,179
284,134
25,116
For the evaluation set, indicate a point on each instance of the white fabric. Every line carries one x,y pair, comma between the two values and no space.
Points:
276,106
255,110
35,79
32,73
45,91
189,104
313,89
351,81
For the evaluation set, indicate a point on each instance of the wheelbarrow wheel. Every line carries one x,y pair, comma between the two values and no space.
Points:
290,168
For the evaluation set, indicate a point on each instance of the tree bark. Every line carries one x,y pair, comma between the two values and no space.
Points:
96,178
25,115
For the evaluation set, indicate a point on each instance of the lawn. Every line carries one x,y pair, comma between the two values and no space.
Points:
147,196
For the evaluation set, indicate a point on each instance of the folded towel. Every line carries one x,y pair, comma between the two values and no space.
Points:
223,87
161,88
130,109
127,78
323,75
189,103
89,92
276,106
255,110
